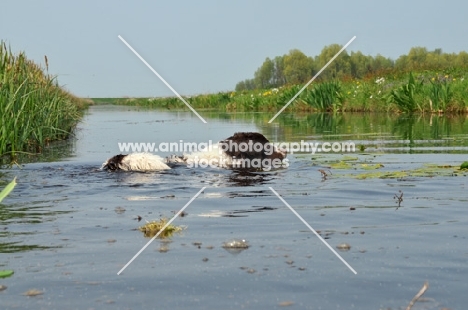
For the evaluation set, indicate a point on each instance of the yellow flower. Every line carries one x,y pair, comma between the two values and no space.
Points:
454,79
433,79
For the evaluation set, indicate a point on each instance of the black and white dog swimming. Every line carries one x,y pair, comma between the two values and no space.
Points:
249,150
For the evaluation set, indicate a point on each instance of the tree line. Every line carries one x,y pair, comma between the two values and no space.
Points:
297,68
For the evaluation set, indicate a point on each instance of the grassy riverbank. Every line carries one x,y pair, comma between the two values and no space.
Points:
421,92
34,109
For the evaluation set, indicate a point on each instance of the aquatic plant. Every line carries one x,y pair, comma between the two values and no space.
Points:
34,109
440,94
405,96
324,97
151,229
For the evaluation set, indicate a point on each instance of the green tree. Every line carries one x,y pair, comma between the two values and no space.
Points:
380,63
298,68
278,76
248,84
340,67
263,77
417,57
360,64
462,59
402,63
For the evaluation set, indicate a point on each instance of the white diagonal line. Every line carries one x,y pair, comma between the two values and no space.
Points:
161,230
311,80
313,230
163,80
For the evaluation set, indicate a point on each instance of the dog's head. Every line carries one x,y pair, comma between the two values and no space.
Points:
113,163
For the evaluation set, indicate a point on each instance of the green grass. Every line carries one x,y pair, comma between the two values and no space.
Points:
398,92
34,109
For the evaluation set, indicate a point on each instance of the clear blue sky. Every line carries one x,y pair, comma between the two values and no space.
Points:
209,46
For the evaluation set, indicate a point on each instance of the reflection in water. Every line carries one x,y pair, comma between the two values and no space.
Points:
100,235
247,178
17,223
405,131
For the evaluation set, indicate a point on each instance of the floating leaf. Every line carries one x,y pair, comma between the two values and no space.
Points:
7,189
464,165
6,273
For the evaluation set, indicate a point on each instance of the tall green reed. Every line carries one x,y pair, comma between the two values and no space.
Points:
34,109
440,94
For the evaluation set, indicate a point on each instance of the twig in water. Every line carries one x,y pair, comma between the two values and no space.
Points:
419,294
324,173
399,199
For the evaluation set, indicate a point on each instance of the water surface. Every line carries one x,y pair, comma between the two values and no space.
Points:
68,227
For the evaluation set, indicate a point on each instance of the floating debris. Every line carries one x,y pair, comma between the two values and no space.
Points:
182,214
3,287
418,295
399,198
163,249
324,173
33,292
286,303
235,246
119,210
343,247
151,229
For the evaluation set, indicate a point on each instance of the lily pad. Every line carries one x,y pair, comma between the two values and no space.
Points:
341,165
371,167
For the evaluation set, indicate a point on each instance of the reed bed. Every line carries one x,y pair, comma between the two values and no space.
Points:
34,109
